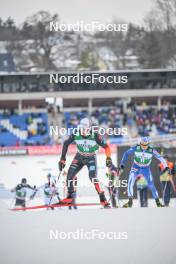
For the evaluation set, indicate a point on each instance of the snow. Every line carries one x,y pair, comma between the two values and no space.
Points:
25,236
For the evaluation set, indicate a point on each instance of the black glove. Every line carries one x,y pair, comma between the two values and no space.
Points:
61,164
108,162
166,170
121,167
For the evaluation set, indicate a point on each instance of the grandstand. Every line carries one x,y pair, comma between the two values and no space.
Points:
23,129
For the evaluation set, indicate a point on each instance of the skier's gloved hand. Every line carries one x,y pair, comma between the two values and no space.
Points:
61,164
108,162
122,167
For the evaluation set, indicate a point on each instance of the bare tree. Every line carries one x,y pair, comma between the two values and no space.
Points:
44,40
167,13
160,25
37,42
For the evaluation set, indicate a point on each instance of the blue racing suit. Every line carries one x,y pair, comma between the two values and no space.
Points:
141,166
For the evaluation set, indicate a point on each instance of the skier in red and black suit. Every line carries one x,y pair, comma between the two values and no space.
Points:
87,143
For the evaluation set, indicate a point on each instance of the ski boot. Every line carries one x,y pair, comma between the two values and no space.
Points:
129,204
158,203
68,200
103,200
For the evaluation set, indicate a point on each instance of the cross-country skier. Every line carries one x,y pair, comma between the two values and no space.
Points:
50,191
21,192
167,181
143,155
87,142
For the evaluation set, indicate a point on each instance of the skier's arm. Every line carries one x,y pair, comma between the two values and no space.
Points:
30,187
64,151
101,142
173,171
126,156
160,158
34,189
66,145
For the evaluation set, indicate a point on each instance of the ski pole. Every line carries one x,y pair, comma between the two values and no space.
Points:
164,190
56,184
12,203
59,176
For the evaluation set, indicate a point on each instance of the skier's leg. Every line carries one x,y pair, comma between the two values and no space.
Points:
48,201
74,195
74,168
73,200
92,168
131,181
20,202
149,178
132,178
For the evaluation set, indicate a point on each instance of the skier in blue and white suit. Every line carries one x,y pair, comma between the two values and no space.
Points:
143,155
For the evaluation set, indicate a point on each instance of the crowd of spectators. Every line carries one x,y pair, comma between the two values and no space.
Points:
143,119
153,120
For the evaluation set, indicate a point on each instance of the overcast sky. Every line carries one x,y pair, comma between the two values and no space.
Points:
71,11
